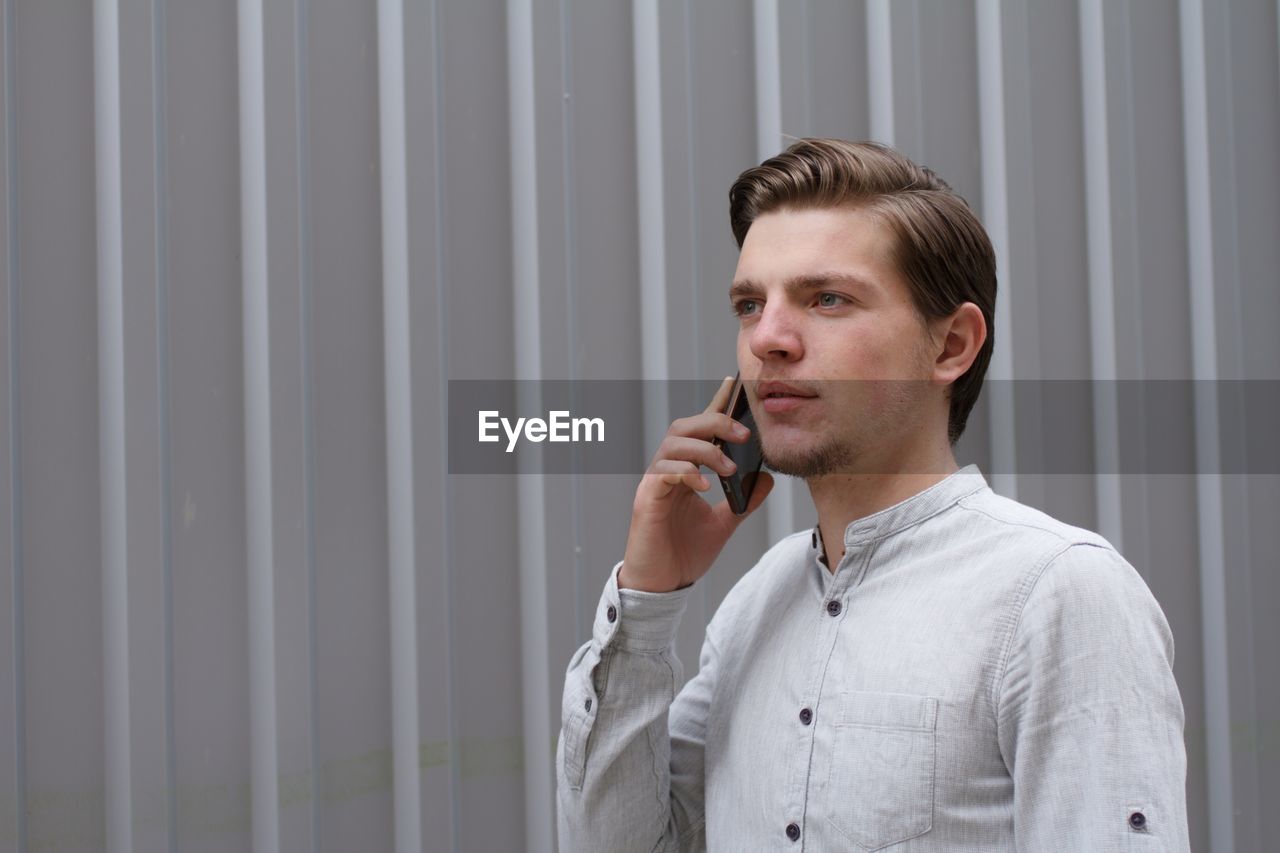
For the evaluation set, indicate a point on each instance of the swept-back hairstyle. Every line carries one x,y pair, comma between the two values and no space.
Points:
940,246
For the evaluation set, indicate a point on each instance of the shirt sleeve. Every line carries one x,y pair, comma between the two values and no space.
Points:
625,781
1089,718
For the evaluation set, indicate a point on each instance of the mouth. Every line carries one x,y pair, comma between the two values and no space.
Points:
765,390
780,397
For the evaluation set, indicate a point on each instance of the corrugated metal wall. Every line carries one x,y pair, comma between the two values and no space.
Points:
247,245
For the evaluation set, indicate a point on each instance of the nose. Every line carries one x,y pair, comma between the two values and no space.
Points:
776,335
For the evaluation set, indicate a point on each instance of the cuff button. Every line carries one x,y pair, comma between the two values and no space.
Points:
1138,821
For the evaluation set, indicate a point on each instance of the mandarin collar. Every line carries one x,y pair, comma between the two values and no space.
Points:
933,500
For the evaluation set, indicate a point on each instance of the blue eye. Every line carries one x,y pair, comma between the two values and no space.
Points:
829,300
745,307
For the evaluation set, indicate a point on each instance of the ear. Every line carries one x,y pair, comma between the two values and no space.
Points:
961,335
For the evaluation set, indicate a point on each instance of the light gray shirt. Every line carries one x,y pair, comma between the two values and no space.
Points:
974,676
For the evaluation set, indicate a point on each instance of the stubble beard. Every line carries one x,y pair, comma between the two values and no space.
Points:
831,457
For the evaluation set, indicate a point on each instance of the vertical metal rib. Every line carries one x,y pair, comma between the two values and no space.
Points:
15,434
695,241
160,140
538,772
880,70
1204,349
806,18
995,214
768,62
916,81
695,223
780,513
303,166
651,204
399,414
442,374
111,429
257,426
1102,321
576,483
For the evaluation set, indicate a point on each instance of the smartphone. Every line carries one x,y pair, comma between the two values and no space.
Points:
747,456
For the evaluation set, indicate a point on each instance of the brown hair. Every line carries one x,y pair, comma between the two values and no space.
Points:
941,247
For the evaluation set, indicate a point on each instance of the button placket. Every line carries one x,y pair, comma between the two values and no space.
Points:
812,688
848,575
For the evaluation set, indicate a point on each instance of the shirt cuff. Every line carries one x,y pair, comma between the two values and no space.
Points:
638,621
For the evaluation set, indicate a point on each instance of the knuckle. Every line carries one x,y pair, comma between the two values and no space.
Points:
686,450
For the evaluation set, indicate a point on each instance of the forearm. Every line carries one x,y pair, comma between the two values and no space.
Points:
613,758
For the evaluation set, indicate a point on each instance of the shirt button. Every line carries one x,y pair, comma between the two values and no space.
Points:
833,607
588,704
793,831
1138,820
806,716
612,613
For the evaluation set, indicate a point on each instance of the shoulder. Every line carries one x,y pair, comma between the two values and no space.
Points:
1088,617
1093,585
1064,559
776,567
1069,579
993,514
778,572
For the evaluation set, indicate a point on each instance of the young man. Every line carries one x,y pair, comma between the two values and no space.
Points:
932,667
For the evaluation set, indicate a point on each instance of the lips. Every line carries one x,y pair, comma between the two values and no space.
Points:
765,390
778,398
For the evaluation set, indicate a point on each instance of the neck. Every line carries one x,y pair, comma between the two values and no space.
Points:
842,499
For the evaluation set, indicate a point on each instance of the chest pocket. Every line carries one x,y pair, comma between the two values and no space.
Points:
878,789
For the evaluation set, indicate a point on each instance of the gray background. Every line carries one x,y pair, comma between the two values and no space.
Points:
246,245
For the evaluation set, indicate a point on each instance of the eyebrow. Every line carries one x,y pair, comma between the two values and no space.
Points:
800,284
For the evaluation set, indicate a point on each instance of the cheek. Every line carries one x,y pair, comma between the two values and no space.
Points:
748,364
862,353
883,352
869,371
869,396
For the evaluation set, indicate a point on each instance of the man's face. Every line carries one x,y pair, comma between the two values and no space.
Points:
821,303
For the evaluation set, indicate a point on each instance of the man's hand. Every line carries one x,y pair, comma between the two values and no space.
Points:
675,535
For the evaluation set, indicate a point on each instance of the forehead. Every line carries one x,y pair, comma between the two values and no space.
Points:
789,243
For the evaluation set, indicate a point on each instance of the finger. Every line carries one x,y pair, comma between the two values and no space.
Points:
721,399
667,475
698,452
709,425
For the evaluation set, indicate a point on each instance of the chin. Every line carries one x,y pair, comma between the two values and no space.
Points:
814,460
